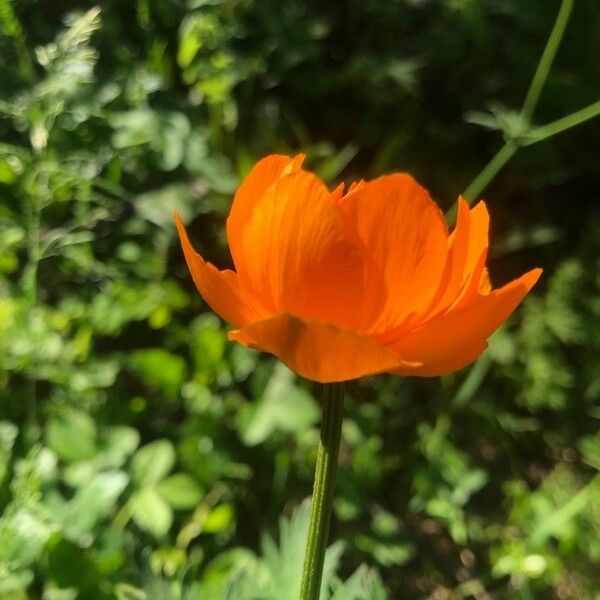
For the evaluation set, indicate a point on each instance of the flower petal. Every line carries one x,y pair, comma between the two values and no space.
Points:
485,285
266,172
297,253
444,366
476,256
318,351
220,289
400,228
467,252
450,334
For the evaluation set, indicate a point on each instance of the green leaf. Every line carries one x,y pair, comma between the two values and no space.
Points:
180,491
171,143
133,127
152,462
94,502
157,206
14,586
8,435
189,41
68,565
150,512
52,592
283,562
386,553
72,436
284,406
208,345
198,30
219,518
160,369
119,443
7,173
22,538
589,447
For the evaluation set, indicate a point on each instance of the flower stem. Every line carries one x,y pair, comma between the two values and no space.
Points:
490,171
541,73
510,147
577,118
322,499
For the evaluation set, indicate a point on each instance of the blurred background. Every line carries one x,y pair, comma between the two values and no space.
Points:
144,456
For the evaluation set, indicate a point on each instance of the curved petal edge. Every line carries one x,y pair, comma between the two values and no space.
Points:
318,351
220,289
446,365
450,334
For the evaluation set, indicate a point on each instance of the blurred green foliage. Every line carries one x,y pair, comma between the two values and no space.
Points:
144,457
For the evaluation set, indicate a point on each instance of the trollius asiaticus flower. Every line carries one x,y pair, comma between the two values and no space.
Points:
340,285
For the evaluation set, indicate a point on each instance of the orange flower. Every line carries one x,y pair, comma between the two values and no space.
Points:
338,286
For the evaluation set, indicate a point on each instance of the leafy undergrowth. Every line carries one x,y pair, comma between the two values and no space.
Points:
144,456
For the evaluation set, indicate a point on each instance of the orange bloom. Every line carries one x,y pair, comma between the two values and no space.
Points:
338,286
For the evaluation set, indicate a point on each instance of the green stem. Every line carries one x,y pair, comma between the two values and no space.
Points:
541,73
577,118
556,520
490,171
485,176
533,95
507,151
322,499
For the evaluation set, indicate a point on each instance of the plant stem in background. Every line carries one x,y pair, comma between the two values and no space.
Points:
533,136
577,118
510,147
324,485
541,73
490,171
